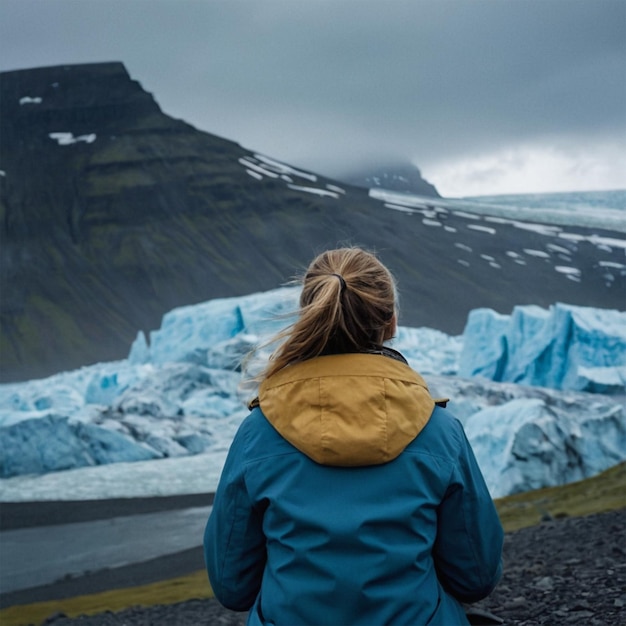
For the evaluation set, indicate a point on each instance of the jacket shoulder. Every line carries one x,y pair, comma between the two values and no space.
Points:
442,436
260,438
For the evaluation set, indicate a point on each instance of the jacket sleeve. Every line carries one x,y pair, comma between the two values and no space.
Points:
234,544
468,548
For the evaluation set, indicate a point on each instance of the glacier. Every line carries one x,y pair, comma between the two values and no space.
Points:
564,347
540,394
532,437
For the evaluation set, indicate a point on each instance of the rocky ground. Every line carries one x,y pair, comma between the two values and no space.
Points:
563,571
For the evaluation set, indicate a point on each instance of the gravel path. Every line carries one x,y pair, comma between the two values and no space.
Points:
565,571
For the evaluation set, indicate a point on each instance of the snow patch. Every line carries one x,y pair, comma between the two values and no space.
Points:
609,242
314,190
537,253
281,168
335,188
67,139
256,168
254,174
554,248
483,229
541,229
400,207
564,269
467,216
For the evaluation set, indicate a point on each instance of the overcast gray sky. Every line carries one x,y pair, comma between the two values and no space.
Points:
485,96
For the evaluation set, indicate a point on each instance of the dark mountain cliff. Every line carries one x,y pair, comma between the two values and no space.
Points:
112,213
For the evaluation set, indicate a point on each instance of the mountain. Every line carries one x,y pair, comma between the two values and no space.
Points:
402,177
112,213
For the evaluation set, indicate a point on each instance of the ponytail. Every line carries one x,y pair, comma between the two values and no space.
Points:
347,304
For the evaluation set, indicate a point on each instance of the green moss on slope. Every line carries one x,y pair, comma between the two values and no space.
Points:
601,493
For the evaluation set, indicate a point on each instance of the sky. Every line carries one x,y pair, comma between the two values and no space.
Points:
484,96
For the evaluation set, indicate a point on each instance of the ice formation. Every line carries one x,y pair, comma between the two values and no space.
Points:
564,347
179,395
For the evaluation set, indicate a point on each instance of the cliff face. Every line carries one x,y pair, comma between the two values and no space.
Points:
98,197
112,213
88,147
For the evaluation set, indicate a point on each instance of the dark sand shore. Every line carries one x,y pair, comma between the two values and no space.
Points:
15,515
563,571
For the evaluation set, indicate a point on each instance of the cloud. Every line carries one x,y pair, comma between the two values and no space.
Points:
326,84
532,169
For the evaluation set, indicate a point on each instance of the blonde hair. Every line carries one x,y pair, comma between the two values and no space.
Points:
347,304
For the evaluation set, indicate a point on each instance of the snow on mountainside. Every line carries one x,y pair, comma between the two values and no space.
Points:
178,398
115,212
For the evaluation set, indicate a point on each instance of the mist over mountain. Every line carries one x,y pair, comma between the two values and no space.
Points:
112,213
403,177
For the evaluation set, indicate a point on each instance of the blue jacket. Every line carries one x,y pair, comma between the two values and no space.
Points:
349,497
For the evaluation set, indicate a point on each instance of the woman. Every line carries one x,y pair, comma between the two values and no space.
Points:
348,495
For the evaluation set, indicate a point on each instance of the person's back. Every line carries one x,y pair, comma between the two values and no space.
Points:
348,497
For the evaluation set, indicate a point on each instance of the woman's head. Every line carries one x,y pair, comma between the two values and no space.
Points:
347,304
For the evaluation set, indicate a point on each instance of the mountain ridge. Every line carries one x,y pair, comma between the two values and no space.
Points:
401,177
112,213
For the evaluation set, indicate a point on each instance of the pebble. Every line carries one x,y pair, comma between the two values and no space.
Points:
560,577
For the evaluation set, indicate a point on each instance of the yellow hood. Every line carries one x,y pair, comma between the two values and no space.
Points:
347,409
